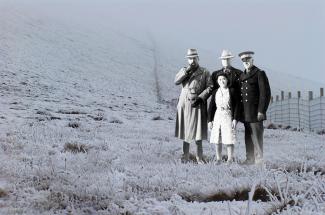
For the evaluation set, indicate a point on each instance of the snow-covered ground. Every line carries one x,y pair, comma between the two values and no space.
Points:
87,123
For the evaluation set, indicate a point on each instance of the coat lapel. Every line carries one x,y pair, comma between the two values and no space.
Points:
247,75
196,73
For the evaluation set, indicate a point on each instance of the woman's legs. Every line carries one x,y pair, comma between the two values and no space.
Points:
219,151
230,152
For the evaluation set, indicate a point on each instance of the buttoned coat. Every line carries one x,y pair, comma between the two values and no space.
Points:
191,122
255,94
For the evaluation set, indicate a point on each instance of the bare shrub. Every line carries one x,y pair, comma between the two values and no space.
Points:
3,193
97,117
271,126
70,112
321,132
157,118
74,125
287,127
115,120
75,148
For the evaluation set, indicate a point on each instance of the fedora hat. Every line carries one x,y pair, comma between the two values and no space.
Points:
226,54
191,53
246,54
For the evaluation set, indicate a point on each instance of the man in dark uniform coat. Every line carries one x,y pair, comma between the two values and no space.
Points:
255,99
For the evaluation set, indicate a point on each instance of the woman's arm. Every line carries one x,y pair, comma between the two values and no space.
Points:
212,107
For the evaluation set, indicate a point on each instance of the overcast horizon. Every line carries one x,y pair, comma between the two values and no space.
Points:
287,36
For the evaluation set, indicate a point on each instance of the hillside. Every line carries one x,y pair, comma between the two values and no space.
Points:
87,120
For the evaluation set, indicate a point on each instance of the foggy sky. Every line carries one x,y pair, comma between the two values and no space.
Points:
286,35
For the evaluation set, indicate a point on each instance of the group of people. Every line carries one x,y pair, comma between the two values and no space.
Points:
236,96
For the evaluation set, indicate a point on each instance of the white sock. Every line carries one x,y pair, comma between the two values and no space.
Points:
230,152
219,151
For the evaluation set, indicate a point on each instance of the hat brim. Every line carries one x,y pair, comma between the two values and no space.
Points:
191,56
246,57
250,53
226,57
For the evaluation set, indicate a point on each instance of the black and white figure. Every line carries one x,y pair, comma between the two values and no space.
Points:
191,119
232,76
223,116
255,99
231,73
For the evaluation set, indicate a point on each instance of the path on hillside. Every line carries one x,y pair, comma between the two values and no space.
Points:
156,71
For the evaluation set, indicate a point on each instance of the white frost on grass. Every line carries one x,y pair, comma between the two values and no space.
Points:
55,76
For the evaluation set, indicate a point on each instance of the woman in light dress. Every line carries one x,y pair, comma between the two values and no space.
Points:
223,117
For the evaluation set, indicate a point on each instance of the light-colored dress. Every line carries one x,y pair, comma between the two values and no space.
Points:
222,131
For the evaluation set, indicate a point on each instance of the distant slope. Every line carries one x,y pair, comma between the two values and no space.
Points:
48,61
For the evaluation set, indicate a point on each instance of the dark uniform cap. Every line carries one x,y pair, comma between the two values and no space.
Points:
246,54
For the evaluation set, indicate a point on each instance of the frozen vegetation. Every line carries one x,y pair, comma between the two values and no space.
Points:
86,127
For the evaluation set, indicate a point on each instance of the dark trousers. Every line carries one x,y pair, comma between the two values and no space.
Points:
199,148
254,140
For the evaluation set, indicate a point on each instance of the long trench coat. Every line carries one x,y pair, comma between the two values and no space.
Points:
191,122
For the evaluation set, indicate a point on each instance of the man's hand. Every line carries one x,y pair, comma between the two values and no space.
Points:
197,102
234,124
210,125
260,116
189,70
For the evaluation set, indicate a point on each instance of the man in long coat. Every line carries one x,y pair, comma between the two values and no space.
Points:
255,99
191,119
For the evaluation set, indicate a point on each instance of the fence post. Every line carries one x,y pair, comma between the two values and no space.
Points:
299,95
271,109
281,104
289,99
276,110
310,97
321,93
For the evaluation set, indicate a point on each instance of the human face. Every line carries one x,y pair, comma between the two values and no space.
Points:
248,62
226,62
222,81
194,61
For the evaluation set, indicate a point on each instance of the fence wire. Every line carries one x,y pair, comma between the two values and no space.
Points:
298,113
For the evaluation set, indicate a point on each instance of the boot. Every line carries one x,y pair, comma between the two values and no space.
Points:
186,152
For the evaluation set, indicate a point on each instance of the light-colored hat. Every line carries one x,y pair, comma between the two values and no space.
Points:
246,54
226,54
191,53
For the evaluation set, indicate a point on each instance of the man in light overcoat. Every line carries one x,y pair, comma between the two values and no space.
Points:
191,119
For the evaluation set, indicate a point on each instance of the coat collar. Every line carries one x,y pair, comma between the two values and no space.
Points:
246,75
198,71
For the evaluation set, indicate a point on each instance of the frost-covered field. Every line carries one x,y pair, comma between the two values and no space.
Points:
87,123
